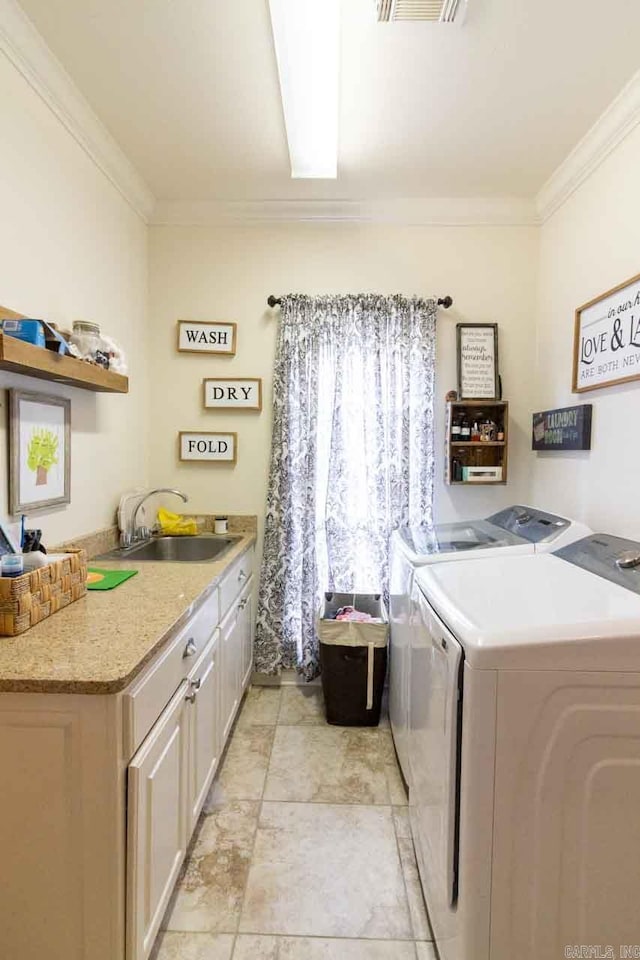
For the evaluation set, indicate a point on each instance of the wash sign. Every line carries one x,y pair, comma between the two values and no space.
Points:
606,347
207,337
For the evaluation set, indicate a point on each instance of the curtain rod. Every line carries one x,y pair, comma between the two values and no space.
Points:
445,302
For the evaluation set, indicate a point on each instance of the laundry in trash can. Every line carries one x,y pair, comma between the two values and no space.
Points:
355,616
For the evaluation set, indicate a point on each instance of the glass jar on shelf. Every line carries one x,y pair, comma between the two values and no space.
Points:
86,337
488,430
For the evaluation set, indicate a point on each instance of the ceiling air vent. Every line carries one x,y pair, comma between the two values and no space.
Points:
438,11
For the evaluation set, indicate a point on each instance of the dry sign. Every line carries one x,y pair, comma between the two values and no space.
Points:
239,394
606,346
217,338
208,447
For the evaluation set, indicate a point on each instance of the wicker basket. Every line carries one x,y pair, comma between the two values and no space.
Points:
34,596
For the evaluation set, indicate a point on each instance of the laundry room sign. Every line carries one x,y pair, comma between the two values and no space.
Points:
565,428
207,447
217,338
240,394
606,345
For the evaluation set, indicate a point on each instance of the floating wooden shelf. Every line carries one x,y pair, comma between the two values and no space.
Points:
20,357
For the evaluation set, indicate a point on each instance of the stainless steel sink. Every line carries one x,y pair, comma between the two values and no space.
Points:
201,549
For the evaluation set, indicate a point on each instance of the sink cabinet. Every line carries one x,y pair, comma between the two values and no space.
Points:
101,793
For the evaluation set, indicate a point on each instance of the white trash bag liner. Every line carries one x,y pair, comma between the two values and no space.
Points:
350,633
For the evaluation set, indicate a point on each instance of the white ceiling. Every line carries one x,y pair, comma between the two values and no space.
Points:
189,89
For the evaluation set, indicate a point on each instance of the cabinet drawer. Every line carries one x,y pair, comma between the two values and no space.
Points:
235,580
145,699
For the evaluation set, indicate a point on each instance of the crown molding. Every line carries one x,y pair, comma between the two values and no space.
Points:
455,212
611,128
30,55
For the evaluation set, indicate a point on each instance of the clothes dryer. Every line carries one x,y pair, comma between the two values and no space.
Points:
524,752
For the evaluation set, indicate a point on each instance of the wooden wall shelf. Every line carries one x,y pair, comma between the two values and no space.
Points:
25,358
476,453
477,443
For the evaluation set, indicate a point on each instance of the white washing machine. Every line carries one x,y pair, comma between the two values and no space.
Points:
524,750
515,530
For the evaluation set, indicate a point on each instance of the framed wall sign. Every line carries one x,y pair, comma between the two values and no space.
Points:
565,428
477,361
39,451
243,393
606,340
207,447
219,338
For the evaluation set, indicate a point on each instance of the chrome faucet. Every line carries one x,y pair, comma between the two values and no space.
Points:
144,533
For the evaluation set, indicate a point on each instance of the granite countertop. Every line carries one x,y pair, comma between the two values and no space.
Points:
99,643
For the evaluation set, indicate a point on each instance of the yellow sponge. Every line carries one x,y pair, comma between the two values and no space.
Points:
172,524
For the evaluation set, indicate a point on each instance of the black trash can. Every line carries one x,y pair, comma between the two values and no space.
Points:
353,660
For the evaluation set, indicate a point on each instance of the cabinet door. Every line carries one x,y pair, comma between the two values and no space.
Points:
204,731
231,653
156,823
246,616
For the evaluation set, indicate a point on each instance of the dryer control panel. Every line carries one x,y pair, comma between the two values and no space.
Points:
613,558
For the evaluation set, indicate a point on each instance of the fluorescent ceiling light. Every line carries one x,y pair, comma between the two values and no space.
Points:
306,34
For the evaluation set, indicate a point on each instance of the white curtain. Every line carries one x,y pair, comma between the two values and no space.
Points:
351,459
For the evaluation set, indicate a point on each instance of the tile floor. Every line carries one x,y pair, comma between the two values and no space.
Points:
303,851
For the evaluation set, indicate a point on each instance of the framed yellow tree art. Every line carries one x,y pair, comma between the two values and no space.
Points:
40,451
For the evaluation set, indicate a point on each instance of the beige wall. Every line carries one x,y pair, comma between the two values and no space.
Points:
72,248
590,245
227,273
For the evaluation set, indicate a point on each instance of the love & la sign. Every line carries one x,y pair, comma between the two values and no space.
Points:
606,346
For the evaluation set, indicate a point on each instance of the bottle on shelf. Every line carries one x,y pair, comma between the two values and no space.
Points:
500,434
455,428
465,429
475,430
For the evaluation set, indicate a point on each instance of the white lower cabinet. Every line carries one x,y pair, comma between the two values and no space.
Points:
246,607
204,727
231,656
156,823
236,634
196,725
168,781
125,776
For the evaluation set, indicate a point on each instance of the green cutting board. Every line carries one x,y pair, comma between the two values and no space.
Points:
108,578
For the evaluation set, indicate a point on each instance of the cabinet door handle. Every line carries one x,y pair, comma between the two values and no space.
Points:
190,648
193,690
